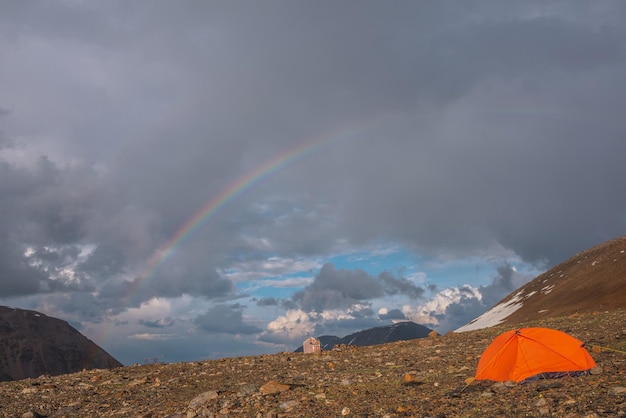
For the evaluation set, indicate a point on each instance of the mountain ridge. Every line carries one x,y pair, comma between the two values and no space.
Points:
34,344
400,331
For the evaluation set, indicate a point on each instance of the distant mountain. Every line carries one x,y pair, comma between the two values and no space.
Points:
592,280
326,342
33,344
400,331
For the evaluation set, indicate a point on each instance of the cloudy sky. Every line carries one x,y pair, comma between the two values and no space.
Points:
190,180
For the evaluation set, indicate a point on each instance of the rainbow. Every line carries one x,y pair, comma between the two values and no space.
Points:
236,189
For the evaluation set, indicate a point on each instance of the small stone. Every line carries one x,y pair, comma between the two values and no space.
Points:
345,411
289,404
616,390
596,370
30,414
500,387
550,385
422,342
202,399
137,382
66,411
273,387
29,390
247,389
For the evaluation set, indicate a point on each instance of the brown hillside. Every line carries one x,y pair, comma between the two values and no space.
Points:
592,280
33,344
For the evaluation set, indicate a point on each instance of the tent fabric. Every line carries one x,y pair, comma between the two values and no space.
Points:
521,354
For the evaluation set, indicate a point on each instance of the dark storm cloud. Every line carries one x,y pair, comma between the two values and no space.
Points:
5,140
106,260
209,284
49,214
132,293
225,319
208,86
400,285
332,289
161,323
16,276
80,306
341,289
483,127
27,266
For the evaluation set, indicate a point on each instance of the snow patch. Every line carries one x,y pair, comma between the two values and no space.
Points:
547,289
495,315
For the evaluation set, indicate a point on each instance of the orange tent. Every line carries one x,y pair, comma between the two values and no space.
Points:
519,354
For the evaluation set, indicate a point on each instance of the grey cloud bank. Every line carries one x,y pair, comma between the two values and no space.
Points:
487,129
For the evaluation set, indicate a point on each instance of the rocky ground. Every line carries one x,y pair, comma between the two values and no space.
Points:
419,378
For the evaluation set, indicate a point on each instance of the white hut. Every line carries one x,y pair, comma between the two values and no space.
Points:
311,345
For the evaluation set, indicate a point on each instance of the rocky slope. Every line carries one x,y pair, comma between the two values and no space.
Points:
419,378
33,344
593,279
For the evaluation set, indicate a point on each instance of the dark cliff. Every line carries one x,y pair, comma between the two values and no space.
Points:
33,344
